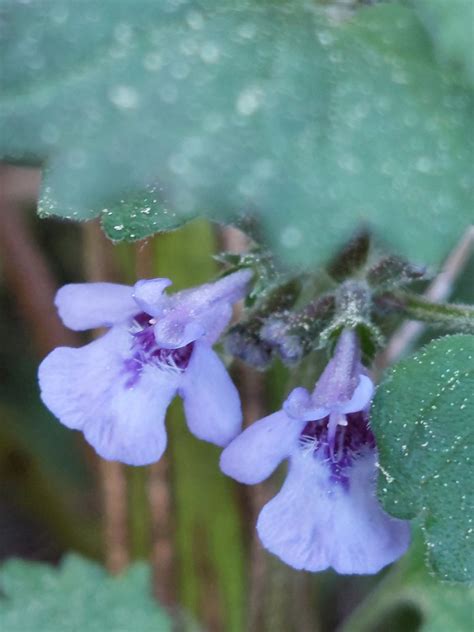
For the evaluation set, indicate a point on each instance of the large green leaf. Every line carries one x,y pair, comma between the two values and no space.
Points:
451,25
78,596
238,107
422,418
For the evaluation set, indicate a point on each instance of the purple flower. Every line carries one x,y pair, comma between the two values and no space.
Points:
326,514
117,388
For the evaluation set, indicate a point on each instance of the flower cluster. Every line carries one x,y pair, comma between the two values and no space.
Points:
326,514
117,389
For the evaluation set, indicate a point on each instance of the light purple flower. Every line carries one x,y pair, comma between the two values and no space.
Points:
117,388
326,514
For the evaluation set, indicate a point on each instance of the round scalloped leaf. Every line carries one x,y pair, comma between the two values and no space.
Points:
313,126
422,418
80,595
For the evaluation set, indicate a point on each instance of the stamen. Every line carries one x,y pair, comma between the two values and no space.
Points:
146,351
338,441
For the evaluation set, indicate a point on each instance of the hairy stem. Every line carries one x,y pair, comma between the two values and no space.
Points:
438,291
452,316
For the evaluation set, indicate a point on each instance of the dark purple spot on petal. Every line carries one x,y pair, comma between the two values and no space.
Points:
142,319
350,442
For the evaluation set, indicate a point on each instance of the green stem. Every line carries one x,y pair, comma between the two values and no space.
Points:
139,513
451,316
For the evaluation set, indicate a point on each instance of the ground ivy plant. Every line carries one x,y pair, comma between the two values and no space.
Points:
341,142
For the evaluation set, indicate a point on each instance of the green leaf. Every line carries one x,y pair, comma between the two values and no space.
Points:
78,596
408,585
314,127
450,25
138,216
422,419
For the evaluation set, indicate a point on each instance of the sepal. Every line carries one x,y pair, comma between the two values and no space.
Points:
351,258
392,272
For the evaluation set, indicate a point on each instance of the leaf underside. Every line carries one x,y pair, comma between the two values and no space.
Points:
149,113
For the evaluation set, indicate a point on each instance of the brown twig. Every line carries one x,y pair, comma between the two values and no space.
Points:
24,265
164,587
252,391
98,266
158,487
439,290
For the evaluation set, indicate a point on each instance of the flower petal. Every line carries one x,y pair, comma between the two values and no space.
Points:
181,324
338,381
90,305
215,321
89,389
70,379
254,454
149,295
200,312
176,331
361,397
211,401
314,523
131,426
299,405
230,288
